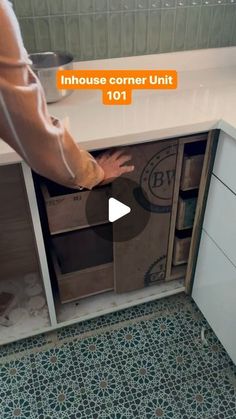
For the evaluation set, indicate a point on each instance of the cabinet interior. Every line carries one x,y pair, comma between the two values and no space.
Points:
189,168
81,255
17,247
84,248
23,306
83,266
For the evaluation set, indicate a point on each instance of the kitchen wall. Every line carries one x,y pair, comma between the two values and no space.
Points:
93,29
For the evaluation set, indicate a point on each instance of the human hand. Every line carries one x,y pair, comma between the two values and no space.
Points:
113,164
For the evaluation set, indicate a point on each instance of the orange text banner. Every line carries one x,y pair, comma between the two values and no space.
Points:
117,85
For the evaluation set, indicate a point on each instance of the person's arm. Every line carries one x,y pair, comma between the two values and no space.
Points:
25,124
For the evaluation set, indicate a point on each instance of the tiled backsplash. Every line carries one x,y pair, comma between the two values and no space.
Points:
92,29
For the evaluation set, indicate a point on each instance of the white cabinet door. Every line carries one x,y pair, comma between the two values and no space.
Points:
214,291
220,218
225,162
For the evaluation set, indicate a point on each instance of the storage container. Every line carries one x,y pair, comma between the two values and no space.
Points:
67,208
191,171
181,250
186,212
83,262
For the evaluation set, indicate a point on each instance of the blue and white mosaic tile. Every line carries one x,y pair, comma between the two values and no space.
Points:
145,362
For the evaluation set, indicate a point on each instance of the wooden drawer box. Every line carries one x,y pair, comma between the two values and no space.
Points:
83,262
186,212
181,250
80,284
66,208
191,172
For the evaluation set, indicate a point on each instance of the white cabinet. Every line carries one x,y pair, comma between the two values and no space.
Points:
220,217
214,291
225,162
214,288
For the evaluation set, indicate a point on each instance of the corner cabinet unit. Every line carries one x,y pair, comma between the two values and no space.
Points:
214,288
61,259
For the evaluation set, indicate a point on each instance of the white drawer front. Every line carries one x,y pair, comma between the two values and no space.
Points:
225,163
214,291
220,218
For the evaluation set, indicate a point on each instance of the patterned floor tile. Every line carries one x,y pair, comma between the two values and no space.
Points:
208,397
53,363
142,372
145,362
24,346
19,407
16,373
92,348
19,401
60,399
130,339
165,329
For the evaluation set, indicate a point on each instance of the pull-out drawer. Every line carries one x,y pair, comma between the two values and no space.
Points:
191,172
220,218
214,291
67,208
80,284
181,248
186,212
83,262
225,162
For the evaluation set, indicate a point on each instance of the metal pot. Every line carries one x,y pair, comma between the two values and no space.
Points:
45,65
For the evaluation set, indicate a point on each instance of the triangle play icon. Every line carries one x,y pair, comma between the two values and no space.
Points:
117,210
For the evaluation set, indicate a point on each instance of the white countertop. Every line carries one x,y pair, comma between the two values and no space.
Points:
205,99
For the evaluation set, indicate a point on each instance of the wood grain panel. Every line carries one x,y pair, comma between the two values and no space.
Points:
141,260
17,246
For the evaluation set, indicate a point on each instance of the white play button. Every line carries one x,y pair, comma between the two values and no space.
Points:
117,210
